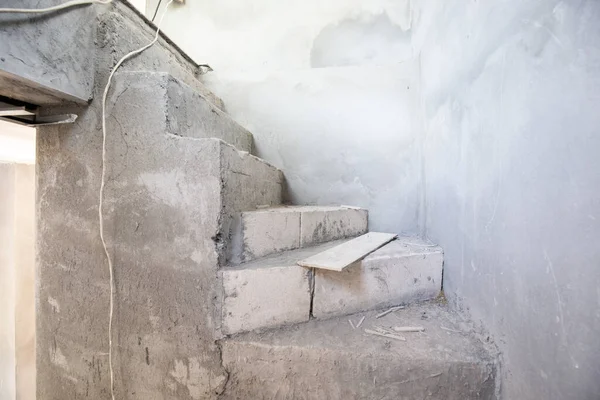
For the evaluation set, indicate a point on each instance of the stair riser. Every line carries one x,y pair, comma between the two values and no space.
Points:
261,233
289,372
264,298
377,282
248,181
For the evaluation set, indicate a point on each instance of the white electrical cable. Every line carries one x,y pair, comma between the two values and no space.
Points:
101,195
68,4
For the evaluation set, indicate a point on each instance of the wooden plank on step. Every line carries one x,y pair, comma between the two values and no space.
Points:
339,257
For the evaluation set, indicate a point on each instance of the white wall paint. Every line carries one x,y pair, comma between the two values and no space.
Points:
7,284
24,266
327,90
17,143
17,281
140,5
17,261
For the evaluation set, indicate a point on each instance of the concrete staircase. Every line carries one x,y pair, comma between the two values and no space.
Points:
211,301
284,330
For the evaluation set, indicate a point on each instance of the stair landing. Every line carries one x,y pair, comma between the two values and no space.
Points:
332,360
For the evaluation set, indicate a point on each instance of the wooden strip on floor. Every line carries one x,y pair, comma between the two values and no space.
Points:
339,257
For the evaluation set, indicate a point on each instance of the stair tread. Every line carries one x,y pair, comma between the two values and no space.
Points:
301,208
446,338
286,258
400,247
331,360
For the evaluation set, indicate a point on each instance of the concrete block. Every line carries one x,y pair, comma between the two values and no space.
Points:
248,181
177,108
267,231
270,232
330,360
321,225
402,271
260,297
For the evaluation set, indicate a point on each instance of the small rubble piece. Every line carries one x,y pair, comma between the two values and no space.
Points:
449,330
360,322
408,329
383,314
351,324
384,334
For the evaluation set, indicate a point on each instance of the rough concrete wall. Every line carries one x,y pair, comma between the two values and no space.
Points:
7,283
327,90
161,209
63,45
510,98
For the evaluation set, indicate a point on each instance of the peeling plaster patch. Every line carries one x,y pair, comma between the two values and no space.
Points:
198,257
58,358
198,380
54,303
154,320
367,39
167,187
163,186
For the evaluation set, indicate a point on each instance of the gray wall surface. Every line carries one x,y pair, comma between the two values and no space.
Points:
512,145
326,88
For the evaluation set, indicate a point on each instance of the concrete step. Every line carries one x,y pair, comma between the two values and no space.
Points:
269,292
332,360
247,181
275,291
174,107
403,271
267,231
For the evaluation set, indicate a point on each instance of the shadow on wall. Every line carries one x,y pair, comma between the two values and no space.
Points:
368,39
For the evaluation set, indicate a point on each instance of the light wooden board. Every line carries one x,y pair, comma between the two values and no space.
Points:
339,257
